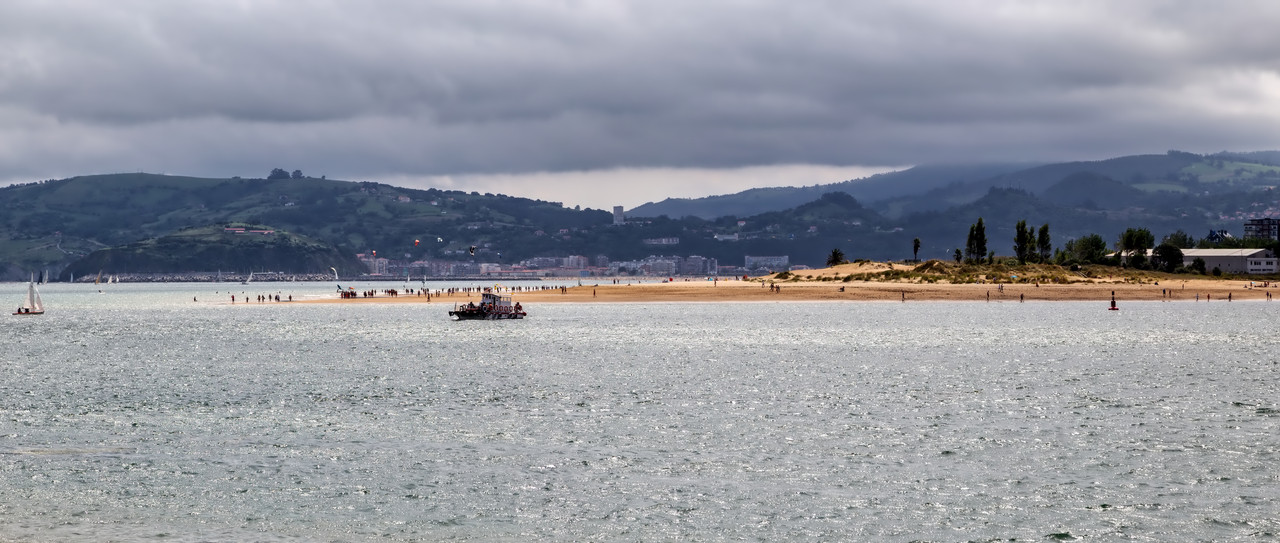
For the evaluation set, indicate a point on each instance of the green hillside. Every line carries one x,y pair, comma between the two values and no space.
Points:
168,223
211,248
51,224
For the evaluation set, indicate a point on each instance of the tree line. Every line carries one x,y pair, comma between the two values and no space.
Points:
1131,249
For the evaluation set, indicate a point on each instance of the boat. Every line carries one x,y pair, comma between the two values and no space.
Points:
491,307
32,305
247,279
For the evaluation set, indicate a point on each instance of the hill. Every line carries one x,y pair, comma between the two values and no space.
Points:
1160,181
237,247
51,225
878,187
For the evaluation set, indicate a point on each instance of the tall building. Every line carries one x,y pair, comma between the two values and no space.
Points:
1262,229
618,217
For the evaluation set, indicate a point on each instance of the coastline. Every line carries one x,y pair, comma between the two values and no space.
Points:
757,290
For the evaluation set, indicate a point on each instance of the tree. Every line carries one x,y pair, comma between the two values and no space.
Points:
1179,239
1134,243
975,249
959,256
915,249
1023,241
836,258
278,173
1089,249
1198,265
1166,257
297,174
1043,245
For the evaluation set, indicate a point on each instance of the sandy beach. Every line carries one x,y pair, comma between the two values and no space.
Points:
822,285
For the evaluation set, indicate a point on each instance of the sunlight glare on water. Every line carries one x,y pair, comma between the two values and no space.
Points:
139,413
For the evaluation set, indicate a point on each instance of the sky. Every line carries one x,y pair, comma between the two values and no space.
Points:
600,103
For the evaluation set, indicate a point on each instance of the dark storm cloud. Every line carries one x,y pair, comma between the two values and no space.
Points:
369,89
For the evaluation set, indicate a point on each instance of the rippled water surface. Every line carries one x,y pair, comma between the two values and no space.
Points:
140,414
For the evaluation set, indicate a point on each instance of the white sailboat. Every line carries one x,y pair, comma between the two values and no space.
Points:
32,305
248,279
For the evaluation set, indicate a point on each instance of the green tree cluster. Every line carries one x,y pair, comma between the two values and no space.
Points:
1090,249
975,248
1166,257
1043,244
1028,246
1133,245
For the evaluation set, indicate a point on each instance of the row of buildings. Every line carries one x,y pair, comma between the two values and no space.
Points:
574,266
1233,261
1242,261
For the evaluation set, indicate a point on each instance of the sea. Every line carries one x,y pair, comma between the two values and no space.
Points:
163,412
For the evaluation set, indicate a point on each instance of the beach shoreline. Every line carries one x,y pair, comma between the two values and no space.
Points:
694,291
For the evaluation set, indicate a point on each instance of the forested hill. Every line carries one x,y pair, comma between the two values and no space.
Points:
50,224
1158,180
911,182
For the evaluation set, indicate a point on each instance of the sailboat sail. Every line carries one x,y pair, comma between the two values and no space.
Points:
32,305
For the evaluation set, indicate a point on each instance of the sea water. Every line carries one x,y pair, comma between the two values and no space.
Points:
165,413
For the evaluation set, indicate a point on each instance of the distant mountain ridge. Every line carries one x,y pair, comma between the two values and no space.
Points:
934,187
869,189
58,225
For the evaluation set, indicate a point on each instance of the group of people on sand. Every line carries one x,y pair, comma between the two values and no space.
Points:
261,298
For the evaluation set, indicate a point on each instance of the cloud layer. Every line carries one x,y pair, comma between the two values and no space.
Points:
411,89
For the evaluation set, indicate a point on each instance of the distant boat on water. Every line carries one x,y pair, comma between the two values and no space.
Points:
247,279
32,305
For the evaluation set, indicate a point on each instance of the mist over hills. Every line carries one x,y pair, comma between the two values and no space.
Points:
58,224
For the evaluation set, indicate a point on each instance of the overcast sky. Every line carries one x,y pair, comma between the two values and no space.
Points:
601,103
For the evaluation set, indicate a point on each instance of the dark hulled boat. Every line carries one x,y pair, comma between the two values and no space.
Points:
491,307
